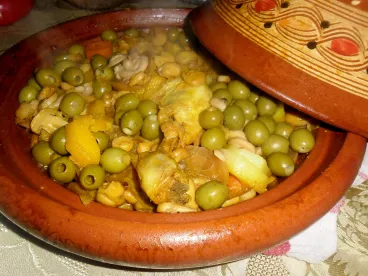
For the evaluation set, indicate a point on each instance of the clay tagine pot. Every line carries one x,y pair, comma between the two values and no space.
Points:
54,214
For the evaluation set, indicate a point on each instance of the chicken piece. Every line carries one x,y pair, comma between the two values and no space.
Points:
157,87
163,180
168,145
181,108
202,165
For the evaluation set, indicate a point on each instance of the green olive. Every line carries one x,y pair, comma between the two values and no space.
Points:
275,143
64,56
249,109
105,74
101,87
131,122
213,138
27,94
72,104
32,82
256,132
210,118
280,164
253,97
73,75
234,118
76,49
173,34
223,93
89,75
284,129
109,35
62,170
58,140
238,90
147,108
126,102
150,128
266,105
218,85
183,40
47,77
173,48
114,160
43,153
60,66
92,177
142,33
269,122
98,61
211,195
301,140
132,33
102,140
117,116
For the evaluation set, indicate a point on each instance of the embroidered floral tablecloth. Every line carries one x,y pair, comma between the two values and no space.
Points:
21,254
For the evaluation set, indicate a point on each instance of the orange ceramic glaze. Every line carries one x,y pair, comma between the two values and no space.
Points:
47,210
310,54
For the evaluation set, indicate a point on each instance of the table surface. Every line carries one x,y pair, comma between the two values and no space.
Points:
22,254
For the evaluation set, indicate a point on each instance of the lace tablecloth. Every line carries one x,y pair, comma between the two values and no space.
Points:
21,254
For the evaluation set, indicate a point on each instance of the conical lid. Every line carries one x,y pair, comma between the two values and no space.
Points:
310,54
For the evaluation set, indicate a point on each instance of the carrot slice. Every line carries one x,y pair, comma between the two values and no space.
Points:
103,48
235,187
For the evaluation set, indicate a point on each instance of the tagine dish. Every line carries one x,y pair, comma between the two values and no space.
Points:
125,141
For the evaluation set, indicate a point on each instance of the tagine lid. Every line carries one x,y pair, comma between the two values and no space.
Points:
310,54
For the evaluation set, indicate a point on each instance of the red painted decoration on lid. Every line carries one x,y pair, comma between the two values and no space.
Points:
265,5
344,46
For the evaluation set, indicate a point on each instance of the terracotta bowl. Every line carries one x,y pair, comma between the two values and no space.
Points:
54,214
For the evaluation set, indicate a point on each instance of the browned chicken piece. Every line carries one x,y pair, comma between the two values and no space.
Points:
163,180
202,166
180,110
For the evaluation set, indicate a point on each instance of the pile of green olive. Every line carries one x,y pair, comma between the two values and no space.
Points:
83,85
137,116
54,155
253,113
